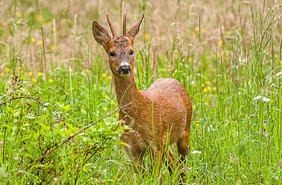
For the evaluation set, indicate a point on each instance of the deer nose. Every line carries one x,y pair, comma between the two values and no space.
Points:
124,69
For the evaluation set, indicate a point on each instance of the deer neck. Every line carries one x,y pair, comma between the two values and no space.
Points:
127,93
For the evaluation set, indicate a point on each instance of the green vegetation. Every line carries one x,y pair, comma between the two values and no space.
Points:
55,80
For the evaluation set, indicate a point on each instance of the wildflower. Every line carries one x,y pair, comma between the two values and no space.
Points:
197,124
203,85
281,62
6,69
112,102
271,101
39,74
190,75
209,88
104,75
262,98
2,74
33,79
134,69
208,82
33,40
87,70
82,110
196,152
105,108
205,90
219,43
30,74
117,114
214,88
18,14
109,77
203,30
190,59
53,47
19,67
51,80
169,69
218,55
197,28
106,96
40,42
146,36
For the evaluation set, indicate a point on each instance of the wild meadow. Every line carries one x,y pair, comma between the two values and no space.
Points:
55,81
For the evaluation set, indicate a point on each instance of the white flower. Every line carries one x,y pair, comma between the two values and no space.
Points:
196,152
279,74
262,98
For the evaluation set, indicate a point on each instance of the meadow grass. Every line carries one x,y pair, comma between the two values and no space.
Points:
55,80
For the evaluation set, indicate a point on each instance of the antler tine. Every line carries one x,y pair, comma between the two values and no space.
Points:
110,24
124,22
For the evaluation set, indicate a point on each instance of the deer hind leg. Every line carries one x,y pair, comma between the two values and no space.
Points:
183,147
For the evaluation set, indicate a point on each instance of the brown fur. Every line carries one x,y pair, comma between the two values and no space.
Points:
160,114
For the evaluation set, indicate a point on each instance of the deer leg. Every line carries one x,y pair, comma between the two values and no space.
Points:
183,147
171,161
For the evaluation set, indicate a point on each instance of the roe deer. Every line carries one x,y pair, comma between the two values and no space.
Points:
160,114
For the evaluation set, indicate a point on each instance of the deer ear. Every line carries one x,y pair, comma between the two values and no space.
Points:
100,34
135,29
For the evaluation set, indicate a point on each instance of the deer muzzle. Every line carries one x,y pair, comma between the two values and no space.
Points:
124,68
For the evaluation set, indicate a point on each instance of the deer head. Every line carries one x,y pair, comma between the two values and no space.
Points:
119,48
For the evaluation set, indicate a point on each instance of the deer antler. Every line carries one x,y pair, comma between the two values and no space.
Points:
110,24
124,23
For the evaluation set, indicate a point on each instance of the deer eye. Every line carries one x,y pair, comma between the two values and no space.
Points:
131,52
112,54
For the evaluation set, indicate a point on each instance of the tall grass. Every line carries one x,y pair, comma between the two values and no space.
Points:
54,81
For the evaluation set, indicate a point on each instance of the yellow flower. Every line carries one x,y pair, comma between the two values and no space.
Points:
190,75
106,96
209,88
53,47
6,69
271,101
30,74
104,75
105,108
87,70
203,85
214,88
134,69
190,59
19,67
203,30
2,74
218,55
18,14
40,42
117,114
281,62
33,40
208,82
197,124
51,80
146,36
205,90
39,74
112,102
219,43
82,110
109,77
169,69
197,28
33,79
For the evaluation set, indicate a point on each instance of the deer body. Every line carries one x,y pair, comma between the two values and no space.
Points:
160,115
